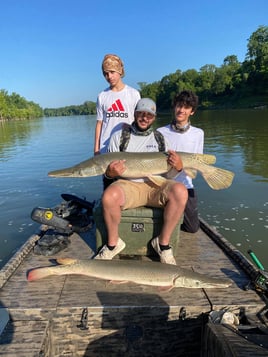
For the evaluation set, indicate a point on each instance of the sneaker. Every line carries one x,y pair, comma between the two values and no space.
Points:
107,254
166,256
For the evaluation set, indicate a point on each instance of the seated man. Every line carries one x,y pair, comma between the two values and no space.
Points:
125,193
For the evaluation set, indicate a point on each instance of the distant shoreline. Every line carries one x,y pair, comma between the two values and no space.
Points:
244,103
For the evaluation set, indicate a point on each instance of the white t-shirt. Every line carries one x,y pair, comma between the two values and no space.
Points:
191,141
115,108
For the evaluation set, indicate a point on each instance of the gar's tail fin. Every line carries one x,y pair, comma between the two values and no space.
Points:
218,178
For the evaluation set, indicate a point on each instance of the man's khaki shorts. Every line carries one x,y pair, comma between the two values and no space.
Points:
139,194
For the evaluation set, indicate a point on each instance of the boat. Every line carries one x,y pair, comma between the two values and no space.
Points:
77,315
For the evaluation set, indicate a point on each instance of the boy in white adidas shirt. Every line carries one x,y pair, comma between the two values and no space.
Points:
115,104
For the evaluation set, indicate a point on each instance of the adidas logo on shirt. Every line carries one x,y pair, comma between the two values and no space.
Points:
116,110
117,105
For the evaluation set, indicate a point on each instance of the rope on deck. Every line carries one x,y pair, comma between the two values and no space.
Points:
13,263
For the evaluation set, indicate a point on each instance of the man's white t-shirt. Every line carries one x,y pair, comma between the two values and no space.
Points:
137,143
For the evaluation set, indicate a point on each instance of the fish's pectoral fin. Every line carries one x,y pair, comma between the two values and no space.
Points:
190,172
157,180
117,282
66,261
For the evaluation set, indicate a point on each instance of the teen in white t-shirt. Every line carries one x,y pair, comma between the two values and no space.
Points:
113,109
115,105
184,137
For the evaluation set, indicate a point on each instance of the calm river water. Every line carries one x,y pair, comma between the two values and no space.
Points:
29,149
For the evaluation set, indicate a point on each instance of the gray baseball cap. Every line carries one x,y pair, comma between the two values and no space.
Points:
146,105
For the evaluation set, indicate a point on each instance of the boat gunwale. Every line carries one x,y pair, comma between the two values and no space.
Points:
229,249
14,262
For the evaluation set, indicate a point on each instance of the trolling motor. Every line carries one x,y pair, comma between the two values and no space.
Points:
72,215
261,280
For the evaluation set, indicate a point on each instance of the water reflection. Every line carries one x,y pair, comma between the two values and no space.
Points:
240,131
16,133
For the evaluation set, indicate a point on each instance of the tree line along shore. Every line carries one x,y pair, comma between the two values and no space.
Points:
234,84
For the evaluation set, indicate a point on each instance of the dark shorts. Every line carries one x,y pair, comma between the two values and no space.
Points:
107,181
191,221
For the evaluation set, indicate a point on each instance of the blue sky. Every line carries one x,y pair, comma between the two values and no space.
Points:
51,50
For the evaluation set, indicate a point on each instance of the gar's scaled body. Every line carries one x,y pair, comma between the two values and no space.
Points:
151,164
139,272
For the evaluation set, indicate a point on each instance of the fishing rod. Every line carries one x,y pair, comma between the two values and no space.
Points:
255,259
261,279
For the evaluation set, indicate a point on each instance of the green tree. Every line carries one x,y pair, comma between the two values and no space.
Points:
258,49
207,76
227,76
86,108
257,61
149,90
16,107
